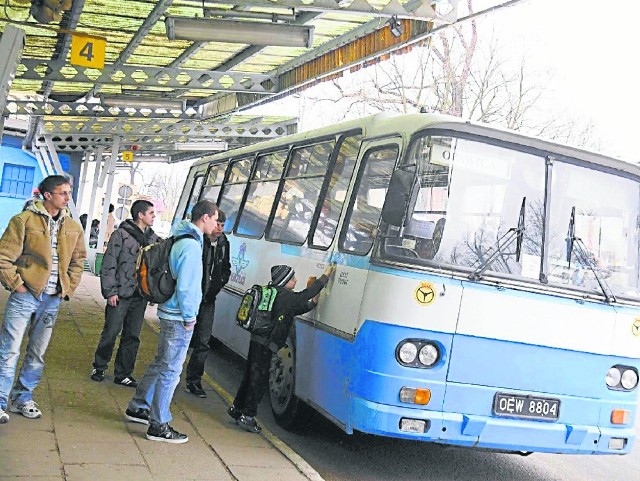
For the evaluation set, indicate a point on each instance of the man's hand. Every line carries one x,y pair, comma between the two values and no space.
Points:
113,300
21,289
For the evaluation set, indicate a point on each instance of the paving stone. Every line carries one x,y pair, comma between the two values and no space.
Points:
89,452
36,442
98,430
182,465
266,457
94,472
48,463
249,473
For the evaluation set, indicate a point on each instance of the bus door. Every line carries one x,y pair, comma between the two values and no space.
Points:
339,310
341,301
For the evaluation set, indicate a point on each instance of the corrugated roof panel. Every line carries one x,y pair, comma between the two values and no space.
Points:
120,21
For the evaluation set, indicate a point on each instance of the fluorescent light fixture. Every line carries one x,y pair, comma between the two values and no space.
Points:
212,146
395,26
124,101
234,31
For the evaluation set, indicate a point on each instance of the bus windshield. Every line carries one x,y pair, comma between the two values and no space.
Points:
469,201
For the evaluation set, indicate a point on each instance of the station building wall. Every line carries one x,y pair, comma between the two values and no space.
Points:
19,175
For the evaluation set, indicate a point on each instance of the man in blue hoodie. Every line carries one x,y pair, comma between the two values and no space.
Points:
150,403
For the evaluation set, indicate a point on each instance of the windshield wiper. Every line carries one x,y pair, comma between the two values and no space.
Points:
515,233
585,256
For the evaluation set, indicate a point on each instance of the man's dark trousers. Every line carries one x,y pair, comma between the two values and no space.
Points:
200,341
127,317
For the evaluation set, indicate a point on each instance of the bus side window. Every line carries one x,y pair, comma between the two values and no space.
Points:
263,188
336,192
212,186
299,197
377,166
195,193
233,190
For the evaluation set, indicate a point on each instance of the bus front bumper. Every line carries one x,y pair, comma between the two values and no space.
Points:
502,434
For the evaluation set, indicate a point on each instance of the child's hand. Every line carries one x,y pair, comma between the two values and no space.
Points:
331,268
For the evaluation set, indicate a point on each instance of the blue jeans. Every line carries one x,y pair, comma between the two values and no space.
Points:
23,311
155,389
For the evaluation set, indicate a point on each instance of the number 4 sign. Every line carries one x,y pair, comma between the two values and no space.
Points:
88,51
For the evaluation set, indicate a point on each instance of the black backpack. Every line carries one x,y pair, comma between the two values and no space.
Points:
153,275
254,313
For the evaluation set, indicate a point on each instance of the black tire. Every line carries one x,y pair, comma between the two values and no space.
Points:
289,410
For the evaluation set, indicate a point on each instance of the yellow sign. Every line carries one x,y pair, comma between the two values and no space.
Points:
127,156
635,327
425,294
88,51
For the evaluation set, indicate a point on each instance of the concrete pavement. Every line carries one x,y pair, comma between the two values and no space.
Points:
83,435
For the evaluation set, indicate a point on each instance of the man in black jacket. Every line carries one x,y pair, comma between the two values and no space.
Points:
215,275
286,306
125,307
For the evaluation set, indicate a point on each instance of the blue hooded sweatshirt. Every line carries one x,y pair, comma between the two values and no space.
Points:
185,263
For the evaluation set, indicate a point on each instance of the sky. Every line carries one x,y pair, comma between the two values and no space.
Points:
590,49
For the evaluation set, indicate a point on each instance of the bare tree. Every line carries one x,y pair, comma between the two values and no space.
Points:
460,73
166,185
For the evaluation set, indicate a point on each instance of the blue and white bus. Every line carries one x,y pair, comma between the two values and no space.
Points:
487,291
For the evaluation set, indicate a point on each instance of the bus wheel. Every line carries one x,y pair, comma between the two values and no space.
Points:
288,410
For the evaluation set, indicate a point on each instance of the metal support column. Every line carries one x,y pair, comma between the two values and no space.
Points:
46,161
92,198
59,171
83,180
11,44
110,173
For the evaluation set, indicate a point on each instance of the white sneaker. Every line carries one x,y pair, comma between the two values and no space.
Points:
28,409
4,417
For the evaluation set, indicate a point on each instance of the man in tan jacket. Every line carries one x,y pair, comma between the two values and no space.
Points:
42,257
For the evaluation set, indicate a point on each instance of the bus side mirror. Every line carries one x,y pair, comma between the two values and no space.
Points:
398,197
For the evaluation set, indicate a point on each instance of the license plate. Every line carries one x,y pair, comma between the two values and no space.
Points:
527,407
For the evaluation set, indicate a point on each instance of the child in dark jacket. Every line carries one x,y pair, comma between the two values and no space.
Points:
286,306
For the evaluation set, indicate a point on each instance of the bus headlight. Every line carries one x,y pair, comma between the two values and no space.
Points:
420,353
407,352
629,379
613,377
622,378
428,355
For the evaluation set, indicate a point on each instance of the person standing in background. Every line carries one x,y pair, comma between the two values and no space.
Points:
124,312
111,225
216,273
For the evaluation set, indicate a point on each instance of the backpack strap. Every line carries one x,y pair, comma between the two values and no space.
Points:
175,240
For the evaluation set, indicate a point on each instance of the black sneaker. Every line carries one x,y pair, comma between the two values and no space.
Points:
166,434
97,375
234,413
195,388
126,381
140,415
248,423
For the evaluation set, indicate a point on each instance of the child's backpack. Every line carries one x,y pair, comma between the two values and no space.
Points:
254,313
153,275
